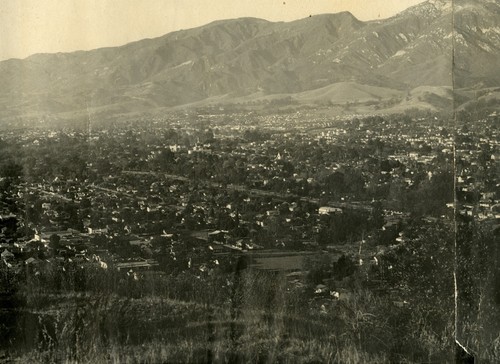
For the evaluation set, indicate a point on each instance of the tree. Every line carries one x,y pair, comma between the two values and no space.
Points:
423,266
11,169
334,183
55,242
344,267
377,215
318,268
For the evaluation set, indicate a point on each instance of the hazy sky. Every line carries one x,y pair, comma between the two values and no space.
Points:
48,26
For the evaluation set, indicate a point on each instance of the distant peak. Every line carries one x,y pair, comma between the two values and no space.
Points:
342,14
344,17
441,3
430,8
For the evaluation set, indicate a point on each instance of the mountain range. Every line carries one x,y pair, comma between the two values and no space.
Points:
437,55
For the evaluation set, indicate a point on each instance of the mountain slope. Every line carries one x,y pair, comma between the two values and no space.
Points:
234,59
477,43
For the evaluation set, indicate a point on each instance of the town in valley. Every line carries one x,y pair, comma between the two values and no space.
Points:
187,204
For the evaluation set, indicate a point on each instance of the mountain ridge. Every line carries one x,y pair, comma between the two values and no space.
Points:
237,58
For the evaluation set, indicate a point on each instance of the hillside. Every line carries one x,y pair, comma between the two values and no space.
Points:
321,58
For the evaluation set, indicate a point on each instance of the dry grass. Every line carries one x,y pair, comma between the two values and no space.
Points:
254,318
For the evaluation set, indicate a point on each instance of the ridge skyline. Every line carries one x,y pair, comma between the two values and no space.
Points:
335,60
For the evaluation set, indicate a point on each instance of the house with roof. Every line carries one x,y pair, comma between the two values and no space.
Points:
7,255
328,210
